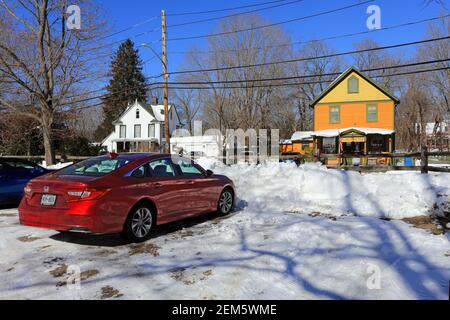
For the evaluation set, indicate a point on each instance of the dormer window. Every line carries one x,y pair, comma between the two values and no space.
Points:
353,85
138,114
162,111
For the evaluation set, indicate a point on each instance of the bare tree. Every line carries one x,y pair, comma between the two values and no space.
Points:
43,63
305,93
190,102
378,59
243,103
439,81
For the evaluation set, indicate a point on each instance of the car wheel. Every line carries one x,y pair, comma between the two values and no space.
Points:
226,202
139,224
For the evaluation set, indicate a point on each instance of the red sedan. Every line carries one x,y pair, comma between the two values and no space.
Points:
124,193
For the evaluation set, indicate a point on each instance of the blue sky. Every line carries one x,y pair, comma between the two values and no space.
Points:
124,14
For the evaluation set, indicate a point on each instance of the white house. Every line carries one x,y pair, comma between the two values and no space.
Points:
140,128
208,146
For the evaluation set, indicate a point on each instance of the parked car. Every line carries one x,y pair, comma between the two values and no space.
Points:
14,175
124,193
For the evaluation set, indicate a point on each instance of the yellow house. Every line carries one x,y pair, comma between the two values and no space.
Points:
353,119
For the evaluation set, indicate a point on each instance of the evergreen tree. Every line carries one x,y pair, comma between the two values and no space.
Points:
126,85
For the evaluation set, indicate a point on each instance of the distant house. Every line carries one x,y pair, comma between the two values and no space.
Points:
301,142
140,128
437,135
197,146
353,118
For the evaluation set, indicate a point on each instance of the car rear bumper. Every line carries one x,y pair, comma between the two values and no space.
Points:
87,220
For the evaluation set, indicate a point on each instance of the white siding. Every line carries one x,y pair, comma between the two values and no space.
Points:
129,119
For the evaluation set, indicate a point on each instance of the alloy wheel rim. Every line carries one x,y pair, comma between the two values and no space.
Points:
226,202
141,222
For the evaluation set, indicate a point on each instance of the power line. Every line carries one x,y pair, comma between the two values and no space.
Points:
310,58
321,39
275,62
223,9
307,76
150,86
308,82
272,24
232,15
130,27
275,85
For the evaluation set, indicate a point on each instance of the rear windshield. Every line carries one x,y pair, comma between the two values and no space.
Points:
94,167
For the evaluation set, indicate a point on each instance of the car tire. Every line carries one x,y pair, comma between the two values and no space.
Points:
226,202
139,224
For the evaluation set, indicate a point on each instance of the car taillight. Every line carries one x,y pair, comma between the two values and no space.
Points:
85,194
28,190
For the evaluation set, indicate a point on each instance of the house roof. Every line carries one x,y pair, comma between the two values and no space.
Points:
344,75
302,135
152,109
329,133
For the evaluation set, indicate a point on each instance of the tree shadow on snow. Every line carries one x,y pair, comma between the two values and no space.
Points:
391,238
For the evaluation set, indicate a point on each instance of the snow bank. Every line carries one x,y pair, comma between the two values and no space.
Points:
57,166
314,188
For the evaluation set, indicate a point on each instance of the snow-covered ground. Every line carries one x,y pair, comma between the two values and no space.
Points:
298,233
314,188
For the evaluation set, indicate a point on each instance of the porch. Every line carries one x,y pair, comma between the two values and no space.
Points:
124,146
354,146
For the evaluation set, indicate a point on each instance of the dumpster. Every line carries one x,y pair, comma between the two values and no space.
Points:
409,162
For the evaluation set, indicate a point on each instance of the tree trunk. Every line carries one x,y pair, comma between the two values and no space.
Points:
47,122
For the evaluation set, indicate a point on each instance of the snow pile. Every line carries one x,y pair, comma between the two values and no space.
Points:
57,166
314,188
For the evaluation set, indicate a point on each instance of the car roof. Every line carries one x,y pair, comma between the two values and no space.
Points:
138,156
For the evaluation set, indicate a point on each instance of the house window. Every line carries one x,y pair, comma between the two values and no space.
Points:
162,111
335,114
138,114
151,130
123,132
353,85
305,146
372,113
137,130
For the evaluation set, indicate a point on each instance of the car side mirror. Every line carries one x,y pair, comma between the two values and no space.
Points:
209,173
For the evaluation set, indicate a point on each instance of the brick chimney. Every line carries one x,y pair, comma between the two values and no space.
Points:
154,100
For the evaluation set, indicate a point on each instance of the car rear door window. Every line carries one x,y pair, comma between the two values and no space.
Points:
141,172
188,168
161,168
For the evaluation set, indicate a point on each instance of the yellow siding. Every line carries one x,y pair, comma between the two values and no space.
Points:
367,92
353,107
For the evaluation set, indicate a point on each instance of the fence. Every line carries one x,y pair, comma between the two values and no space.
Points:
422,156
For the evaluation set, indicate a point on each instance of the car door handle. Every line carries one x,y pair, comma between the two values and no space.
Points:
157,185
191,182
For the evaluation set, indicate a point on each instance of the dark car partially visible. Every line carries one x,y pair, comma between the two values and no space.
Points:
14,175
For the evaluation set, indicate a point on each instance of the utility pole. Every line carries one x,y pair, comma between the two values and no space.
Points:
166,86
